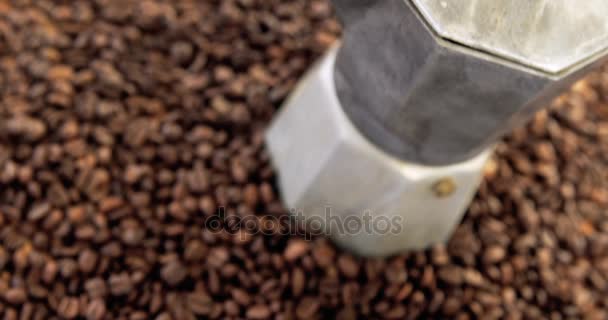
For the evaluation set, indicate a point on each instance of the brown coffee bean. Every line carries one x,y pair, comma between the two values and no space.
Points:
200,303
241,296
31,129
250,195
451,275
58,72
307,308
138,315
95,310
96,288
258,312
132,233
38,212
473,277
181,52
266,192
398,312
195,250
494,254
87,261
223,73
295,249
76,214
323,254
218,257
120,284
298,282
173,273
348,313
4,258
68,268
348,266
68,308
396,273
50,271
15,295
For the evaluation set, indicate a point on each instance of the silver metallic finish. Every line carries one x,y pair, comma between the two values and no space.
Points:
400,121
552,36
425,99
331,174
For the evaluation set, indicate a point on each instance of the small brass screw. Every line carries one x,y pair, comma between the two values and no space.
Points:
444,187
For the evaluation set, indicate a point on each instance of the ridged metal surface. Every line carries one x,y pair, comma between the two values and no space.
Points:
424,99
549,35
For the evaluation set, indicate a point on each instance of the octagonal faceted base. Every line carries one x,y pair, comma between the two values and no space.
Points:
366,200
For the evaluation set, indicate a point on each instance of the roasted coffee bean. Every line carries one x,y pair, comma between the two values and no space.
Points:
15,295
68,307
30,129
307,308
241,296
494,254
323,254
348,266
173,273
298,282
50,271
218,257
87,261
200,303
451,275
258,312
96,288
38,211
295,249
120,284
195,250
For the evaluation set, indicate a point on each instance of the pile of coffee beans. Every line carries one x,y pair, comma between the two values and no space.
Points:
126,125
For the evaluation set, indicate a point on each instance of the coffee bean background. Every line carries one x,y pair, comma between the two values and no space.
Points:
125,124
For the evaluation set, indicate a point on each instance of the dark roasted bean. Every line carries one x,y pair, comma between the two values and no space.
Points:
258,312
